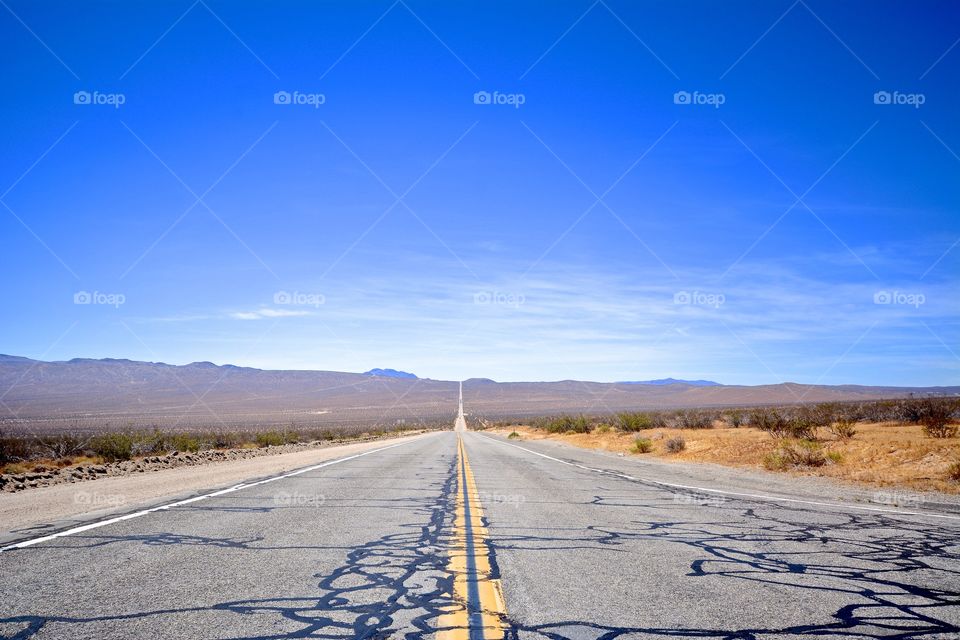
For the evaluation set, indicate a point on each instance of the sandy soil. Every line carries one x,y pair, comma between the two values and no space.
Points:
880,455
35,508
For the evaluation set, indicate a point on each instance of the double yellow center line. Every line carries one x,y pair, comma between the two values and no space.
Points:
479,611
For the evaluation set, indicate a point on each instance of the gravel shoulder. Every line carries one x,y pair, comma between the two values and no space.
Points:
43,510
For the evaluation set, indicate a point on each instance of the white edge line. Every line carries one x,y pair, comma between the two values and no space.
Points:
180,503
836,505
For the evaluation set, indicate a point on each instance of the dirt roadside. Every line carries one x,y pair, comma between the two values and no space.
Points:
884,456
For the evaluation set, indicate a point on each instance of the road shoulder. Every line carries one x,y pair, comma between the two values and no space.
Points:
45,510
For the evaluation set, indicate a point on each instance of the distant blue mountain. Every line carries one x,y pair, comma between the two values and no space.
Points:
662,381
390,373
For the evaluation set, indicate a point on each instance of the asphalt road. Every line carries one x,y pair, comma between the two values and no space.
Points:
391,544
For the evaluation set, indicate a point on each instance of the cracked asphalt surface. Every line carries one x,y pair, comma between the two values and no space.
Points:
359,550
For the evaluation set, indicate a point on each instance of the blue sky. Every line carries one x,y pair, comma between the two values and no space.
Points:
687,189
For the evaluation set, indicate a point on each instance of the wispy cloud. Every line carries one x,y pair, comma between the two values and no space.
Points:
266,312
587,322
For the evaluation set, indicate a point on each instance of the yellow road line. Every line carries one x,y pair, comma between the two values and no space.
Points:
479,611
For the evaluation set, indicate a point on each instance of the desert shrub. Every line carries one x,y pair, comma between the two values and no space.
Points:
63,448
58,446
881,411
319,435
112,446
565,423
770,421
835,457
937,418
852,412
641,420
642,445
936,412
953,471
269,439
630,421
182,442
775,461
802,427
734,417
693,419
513,435
823,414
149,442
580,424
225,440
796,453
14,467
844,428
779,423
804,420
806,453
13,449
675,445
603,428
911,410
940,430
763,418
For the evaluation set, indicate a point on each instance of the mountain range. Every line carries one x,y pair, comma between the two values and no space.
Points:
86,393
